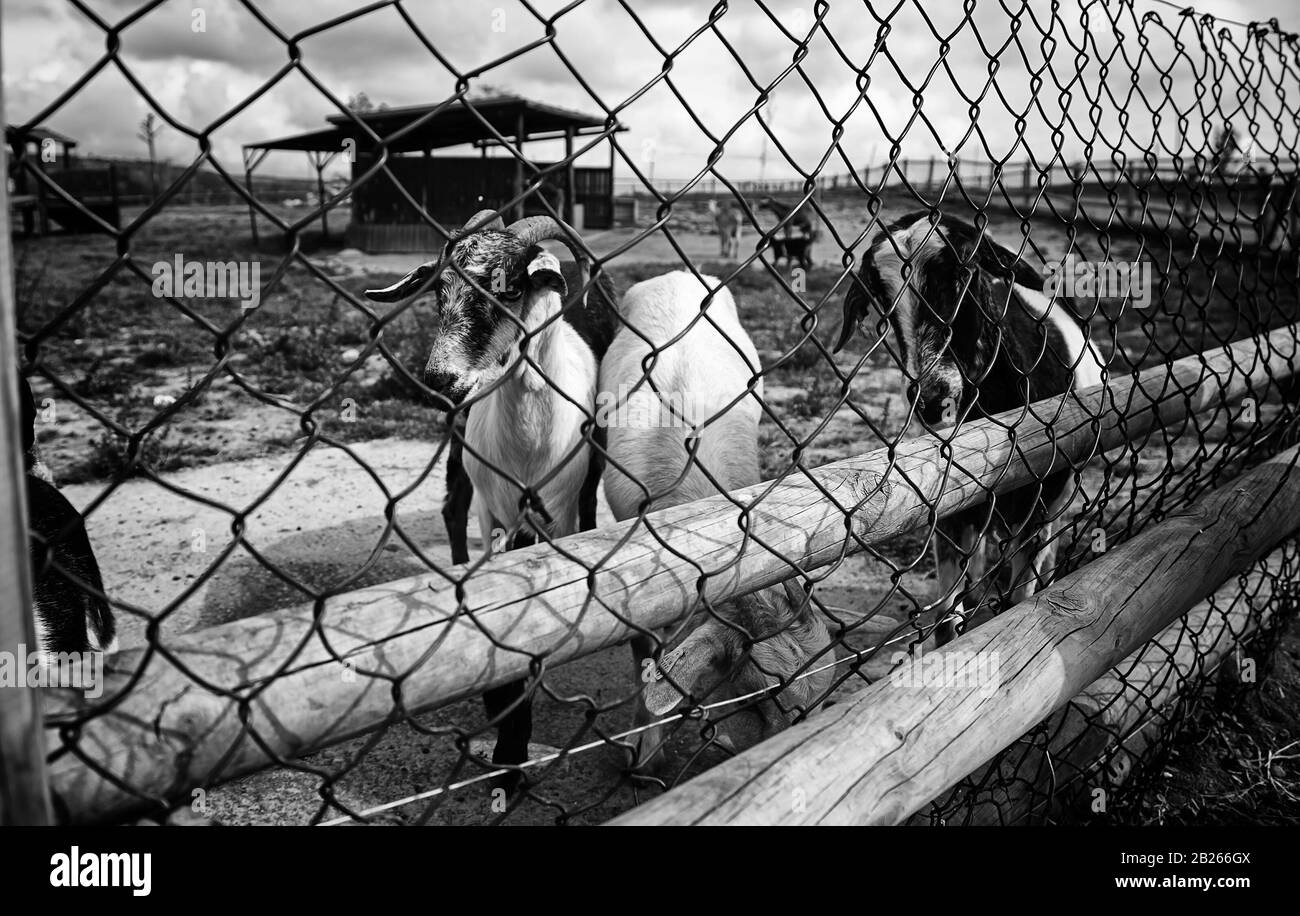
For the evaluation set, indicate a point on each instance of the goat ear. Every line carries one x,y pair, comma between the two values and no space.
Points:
797,594
693,666
856,306
544,270
407,286
1002,263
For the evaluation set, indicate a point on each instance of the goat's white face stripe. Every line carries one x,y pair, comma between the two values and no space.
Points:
913,247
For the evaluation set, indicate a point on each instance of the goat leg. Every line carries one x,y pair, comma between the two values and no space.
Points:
511,709
459,493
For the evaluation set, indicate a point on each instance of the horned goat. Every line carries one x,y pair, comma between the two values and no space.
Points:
507,339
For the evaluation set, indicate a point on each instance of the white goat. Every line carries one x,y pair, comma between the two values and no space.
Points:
507,338
696,379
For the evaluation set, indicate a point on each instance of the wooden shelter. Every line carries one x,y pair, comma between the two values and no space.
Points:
37,151
386,207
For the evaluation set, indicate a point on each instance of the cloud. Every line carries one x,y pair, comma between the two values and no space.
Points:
199,68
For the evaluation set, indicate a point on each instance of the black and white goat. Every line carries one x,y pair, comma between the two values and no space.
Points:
72,614
700,374
507,338
976,335
798,232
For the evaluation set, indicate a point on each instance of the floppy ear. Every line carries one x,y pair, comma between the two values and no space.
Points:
1002,263
798,595
694,667
856,306
544,271
407,286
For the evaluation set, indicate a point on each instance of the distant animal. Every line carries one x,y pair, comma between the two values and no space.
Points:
730,223
797,232
71,612
533,353
795,249
771,634
976,335
800,219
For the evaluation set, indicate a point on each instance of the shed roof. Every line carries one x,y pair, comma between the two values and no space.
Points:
37,134
457,124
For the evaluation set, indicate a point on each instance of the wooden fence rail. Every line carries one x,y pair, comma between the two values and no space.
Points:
171,730
882,755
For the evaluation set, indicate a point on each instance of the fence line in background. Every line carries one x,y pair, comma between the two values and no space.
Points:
289,667
908,743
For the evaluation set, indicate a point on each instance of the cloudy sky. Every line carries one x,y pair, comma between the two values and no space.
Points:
200,59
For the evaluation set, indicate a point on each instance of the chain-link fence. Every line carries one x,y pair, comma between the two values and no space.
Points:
353,543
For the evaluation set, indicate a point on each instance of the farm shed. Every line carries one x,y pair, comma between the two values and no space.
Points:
45,175
452,188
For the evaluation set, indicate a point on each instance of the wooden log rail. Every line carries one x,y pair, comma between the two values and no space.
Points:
1124,711
880,756
171,729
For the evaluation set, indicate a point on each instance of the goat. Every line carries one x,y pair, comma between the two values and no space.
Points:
705,374
791,247
72,614
728,220
795,249
976,335
790,216
507,337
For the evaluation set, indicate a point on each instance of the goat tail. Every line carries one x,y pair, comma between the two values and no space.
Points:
101,628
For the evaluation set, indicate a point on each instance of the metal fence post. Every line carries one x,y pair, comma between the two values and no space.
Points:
24,789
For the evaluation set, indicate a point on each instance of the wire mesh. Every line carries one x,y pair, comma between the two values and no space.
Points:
1118,136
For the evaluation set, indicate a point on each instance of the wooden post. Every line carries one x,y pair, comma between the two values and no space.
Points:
612,154
570,176
24,788
250,163
1124,715
427,178
318,159
169,734
42,206
113,195
520,136
880,756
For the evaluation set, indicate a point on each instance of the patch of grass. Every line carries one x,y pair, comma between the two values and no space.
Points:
1237,761
159,452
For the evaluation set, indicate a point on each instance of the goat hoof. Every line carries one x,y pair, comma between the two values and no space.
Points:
513,784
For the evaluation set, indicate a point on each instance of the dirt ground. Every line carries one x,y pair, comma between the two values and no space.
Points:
222,402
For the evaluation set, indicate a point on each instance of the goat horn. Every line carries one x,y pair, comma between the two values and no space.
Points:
484,219
534,229
418,279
